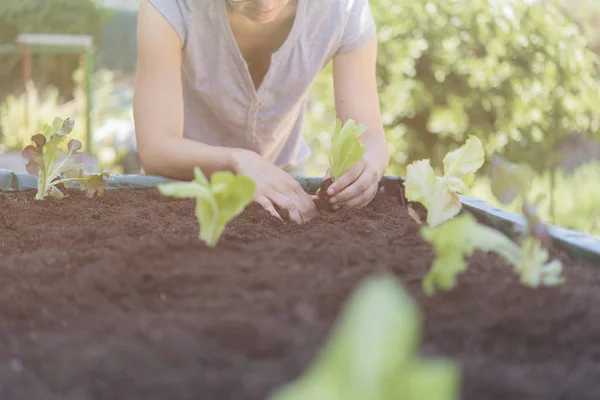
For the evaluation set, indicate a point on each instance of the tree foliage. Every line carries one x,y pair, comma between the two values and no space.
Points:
586,13
518,76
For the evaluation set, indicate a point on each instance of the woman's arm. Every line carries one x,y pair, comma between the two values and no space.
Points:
158,113
158,106
357,98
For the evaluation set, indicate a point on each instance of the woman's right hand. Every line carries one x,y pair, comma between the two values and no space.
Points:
275,187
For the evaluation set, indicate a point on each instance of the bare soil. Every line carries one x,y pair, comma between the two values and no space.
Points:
116,298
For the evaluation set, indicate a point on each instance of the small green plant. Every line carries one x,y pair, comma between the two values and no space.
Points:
346,150
52,171
372,354
460,237
217,201
439,195
456,237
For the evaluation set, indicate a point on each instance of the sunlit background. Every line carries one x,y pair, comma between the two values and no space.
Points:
521,75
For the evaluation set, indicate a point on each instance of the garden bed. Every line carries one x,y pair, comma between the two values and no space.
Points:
117,298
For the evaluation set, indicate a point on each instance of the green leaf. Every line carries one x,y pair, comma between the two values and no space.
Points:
436,379
91,184
346,149
463,162
217,201
509,180
46,163
184,190
534,268
460,237
372,353
440,195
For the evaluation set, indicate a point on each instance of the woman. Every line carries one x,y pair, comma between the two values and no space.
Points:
222,85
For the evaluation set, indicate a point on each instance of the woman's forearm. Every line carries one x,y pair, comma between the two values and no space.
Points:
176,158
376,151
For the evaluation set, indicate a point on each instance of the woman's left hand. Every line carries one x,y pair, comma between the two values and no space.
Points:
357,187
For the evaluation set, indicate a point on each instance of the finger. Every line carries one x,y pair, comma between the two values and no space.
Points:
309,210
307,206
361,185
267,205
364,199
287,204
304,202
347,178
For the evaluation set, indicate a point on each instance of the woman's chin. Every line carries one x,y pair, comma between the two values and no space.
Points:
263,18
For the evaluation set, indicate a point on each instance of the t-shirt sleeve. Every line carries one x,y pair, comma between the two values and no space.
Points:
176,12
358,25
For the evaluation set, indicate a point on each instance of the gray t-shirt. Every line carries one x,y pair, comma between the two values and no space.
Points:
222,106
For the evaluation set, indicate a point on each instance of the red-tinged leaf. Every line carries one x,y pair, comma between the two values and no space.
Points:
66,128
535,226
74,145
71,166
39,140
35,159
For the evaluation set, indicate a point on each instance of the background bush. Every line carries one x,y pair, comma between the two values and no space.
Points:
519,78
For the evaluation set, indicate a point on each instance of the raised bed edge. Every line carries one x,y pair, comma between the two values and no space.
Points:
577,244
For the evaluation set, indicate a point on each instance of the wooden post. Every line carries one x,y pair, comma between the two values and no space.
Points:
61,44
25,62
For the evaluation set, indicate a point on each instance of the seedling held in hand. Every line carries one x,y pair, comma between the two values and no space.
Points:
372,354
346,150
217,201
52,171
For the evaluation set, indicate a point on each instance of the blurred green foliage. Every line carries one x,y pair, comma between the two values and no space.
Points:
23,115
586,13
47,16
520,78
576,198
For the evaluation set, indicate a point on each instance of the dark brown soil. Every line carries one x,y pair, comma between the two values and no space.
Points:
323,203
116,298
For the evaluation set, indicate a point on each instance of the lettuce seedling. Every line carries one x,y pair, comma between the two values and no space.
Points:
346,150
372,353
51,170
439,195
461,236
455,238
217,202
